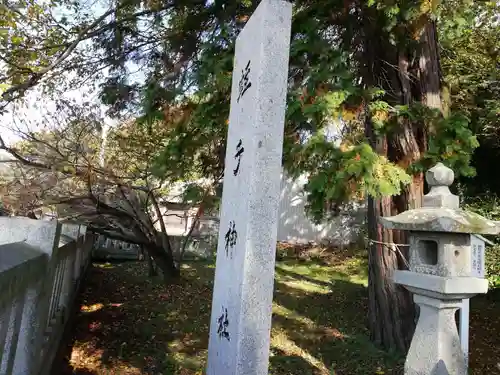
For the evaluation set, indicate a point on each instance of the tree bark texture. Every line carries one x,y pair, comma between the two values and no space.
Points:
165,262
407,76
390,307
151,267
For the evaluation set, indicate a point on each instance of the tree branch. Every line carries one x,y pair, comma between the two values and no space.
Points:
36,77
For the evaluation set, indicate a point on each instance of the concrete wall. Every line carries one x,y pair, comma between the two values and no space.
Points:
41,266
294,225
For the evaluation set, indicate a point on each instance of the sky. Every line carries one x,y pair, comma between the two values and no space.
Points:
37,104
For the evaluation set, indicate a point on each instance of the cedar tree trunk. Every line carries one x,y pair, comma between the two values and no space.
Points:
407,76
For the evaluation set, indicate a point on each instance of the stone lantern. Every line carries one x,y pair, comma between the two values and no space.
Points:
441,273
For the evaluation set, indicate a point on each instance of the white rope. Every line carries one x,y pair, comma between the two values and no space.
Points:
392,246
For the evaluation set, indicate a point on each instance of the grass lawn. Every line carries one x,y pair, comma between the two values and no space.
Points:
130,324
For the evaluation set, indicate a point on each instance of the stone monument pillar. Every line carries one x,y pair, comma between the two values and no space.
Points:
244,275
441,273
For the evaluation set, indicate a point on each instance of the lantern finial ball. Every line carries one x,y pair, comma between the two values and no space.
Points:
440,175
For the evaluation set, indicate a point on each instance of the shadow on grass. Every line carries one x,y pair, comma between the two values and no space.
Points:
131,324
484,331
280,362
326,326
295,275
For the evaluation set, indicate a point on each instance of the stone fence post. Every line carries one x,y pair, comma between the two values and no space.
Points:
441,273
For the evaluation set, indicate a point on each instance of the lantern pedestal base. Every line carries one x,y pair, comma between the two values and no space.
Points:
435,348
444,288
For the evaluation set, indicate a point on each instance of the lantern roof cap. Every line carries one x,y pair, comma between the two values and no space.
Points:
440,211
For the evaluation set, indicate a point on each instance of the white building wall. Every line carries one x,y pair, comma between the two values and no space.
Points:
294,226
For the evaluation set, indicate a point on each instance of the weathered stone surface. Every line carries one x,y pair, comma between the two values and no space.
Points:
40,234
5,313
430,219
26,354
441,287
439,179
440,211
450,255
70,230
441,273
20,265
435,347
439,175
435,199
29,255
43,235
13,323
69,236
241,306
